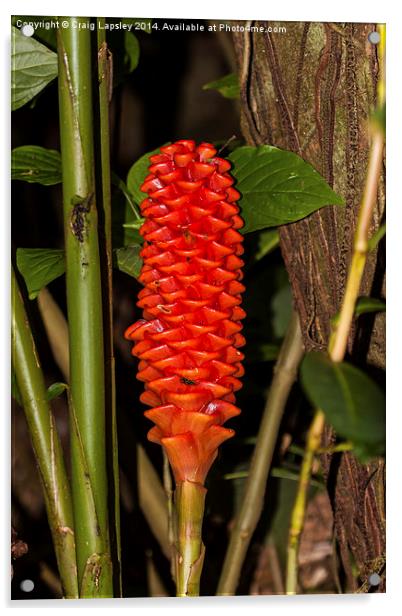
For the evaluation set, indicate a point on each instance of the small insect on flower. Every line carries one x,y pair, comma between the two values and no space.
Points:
189,338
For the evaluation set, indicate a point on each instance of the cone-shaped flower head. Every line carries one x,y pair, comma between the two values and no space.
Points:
188,341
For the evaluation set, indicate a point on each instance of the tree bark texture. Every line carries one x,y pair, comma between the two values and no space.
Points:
311,90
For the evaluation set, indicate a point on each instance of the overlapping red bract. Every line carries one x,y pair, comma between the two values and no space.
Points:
188,341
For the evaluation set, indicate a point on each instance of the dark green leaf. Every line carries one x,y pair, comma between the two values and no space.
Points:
268,240
228,86
33,163
55,390
132,51
261,352
369,304
352,402
137,175
33,66
128,260
277,187
39,266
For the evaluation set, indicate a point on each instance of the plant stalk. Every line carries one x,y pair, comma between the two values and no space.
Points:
84,306
189,503
247,518
46,443
339,338
105,87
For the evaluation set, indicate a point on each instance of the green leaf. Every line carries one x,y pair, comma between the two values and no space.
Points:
55,390
132,51
128,260
352,402
369,304
268,240
261,352
35,164
33,66
228,86
137,174
39,266
277,187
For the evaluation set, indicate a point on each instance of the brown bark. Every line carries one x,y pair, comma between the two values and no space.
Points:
311,90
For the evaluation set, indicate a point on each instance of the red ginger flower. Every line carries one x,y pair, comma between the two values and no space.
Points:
189,337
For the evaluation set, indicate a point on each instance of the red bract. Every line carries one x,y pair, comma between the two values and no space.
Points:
188,341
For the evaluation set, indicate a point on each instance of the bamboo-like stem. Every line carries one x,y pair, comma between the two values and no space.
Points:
46,443
84,306
247,518
339,338
189,505
105,86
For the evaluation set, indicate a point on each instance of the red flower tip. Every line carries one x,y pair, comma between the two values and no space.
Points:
188,341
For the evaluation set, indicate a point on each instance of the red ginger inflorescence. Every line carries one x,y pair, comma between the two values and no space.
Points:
188,341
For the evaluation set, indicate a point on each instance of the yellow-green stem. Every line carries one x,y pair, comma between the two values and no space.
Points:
189,503
45,441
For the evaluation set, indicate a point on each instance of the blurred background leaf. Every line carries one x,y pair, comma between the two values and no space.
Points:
32,163
228,86
352,402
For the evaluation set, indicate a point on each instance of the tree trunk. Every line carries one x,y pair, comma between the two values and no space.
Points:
311,90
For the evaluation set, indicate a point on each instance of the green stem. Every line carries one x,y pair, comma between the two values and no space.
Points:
246,521
84,307
189,502
299,507
104,91
46,443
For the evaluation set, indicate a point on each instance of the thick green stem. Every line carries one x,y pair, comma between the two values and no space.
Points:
105,86
246,521
189,502
84,306
45,441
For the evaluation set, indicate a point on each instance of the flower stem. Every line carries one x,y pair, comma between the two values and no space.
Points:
189,502
246,521
46,443
105,87
84,307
